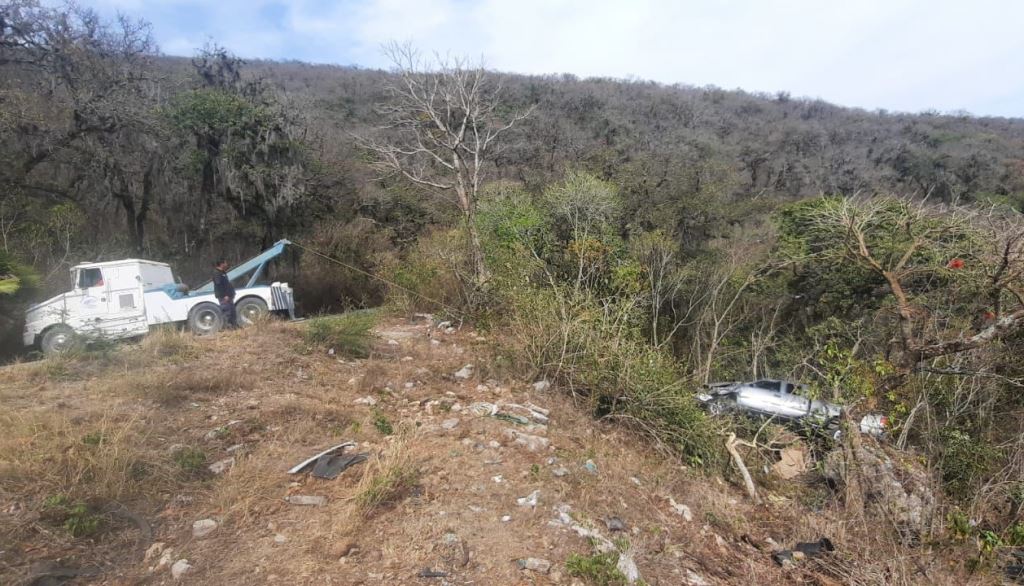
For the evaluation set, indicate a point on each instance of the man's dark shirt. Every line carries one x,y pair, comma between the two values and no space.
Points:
222,286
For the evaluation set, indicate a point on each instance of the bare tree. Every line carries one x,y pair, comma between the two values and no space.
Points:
442,124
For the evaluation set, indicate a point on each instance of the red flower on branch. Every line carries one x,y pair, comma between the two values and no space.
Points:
956,263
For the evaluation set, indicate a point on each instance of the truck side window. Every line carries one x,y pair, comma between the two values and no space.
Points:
90,278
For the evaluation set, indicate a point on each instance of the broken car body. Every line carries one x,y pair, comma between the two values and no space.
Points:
784,400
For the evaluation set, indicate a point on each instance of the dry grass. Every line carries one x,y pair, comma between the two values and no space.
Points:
387,477
105,460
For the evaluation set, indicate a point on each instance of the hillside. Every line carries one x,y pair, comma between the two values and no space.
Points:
129,434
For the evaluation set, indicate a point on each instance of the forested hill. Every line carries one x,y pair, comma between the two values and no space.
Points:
117,150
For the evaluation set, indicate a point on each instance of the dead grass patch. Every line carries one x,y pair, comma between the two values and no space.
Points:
172,386
387,477
46,454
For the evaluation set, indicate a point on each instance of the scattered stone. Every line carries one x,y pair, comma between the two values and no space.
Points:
533,443
634,480
449,331
221,466
793,463
407,359
695,579
476,509
541,386
498,479
153,551
590,467
203,527
506,518
367,400
234,448
444,325
465,372
483,409
682,510
615,524
165,560
392,342
427,317
435,342
330,352
180,568
306,500
449,424
529,500
280,539
493,444
535,564
410,385
560,471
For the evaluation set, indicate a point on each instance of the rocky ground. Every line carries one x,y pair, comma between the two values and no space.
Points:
476,474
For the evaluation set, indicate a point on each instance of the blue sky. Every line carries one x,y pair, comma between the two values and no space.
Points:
907,55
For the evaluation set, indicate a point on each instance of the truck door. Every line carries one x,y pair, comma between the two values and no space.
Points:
90,303
125,313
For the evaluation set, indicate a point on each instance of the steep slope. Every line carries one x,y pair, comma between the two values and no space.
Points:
130,433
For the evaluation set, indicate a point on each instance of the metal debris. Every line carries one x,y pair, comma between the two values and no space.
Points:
309,461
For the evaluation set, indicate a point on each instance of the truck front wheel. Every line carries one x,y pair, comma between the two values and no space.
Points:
205,318
58,339
250,310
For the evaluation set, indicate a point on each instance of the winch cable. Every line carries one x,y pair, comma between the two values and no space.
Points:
378,278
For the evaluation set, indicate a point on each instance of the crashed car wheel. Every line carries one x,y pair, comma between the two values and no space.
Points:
716,408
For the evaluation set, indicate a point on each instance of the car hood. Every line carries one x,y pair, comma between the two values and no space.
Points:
43,309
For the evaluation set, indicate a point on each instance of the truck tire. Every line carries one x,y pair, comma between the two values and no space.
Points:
58,340
250,310
205,318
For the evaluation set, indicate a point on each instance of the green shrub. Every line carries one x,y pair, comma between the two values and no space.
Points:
75,517
348,334
598,351
380,421
599,569
191,460
965,461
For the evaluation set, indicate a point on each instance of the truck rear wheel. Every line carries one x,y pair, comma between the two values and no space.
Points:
205,318
250,310
58,339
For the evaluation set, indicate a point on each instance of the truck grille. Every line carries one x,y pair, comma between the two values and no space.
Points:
283,298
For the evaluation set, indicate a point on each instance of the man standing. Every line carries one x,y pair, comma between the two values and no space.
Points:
225,293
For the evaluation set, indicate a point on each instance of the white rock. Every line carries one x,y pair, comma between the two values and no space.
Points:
506,518
450,424
180,568
367,400
498,479
410,385
533,443
153,551
560,471
392,342
435,342
493,444
681,510
449,331
280,539
541,386
306,500
221,466
535,564
165,559
465,372
529,500
203,527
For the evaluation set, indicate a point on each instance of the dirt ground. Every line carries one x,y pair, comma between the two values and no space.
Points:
131,434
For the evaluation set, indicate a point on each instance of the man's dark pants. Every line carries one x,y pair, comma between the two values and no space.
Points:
227,309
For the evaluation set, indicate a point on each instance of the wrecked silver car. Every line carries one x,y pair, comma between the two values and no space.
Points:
784,400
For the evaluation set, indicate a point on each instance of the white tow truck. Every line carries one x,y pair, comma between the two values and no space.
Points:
125,298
